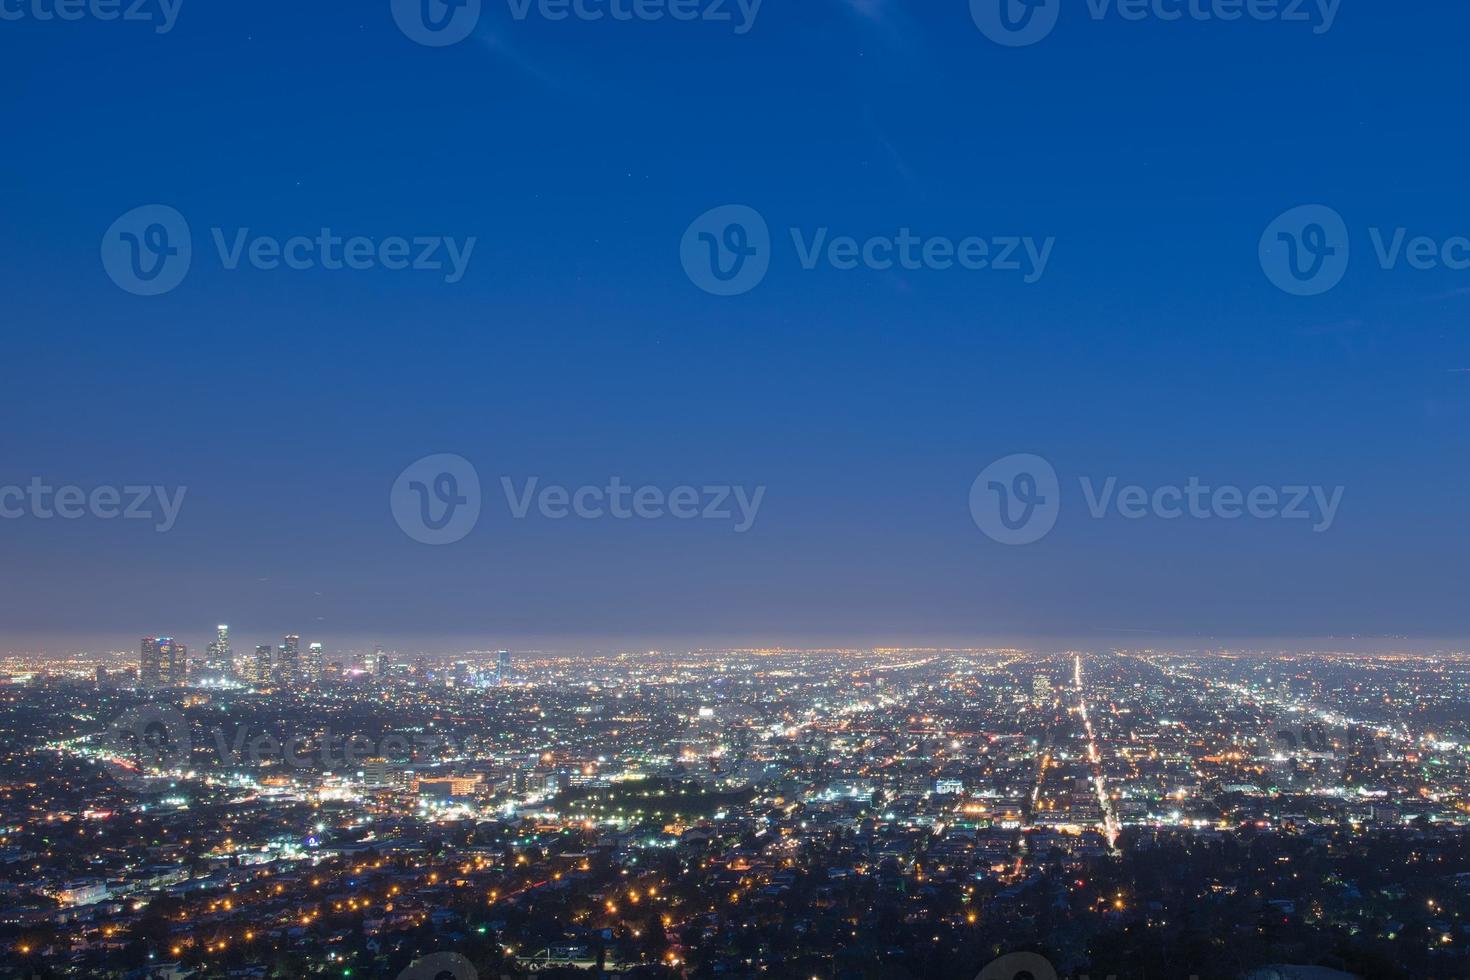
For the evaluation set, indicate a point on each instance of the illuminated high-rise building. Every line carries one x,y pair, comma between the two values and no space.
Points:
261,672
179,663
150,666
379,665
502,667
288,661
312,665
218,655
162,663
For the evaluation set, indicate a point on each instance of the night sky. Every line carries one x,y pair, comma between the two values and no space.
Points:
1154,348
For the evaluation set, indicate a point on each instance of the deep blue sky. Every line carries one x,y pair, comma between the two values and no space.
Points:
1154,349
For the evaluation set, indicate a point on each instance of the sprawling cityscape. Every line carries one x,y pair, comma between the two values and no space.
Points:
279,810
734,490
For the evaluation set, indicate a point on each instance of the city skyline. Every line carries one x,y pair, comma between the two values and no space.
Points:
363,645
901,808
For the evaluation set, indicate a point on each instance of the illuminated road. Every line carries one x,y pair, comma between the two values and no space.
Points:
1110,818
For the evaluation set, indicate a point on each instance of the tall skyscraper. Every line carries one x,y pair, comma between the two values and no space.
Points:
218,656
150,666
312,666
261,674
288,664
379,667
502,667
162,663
